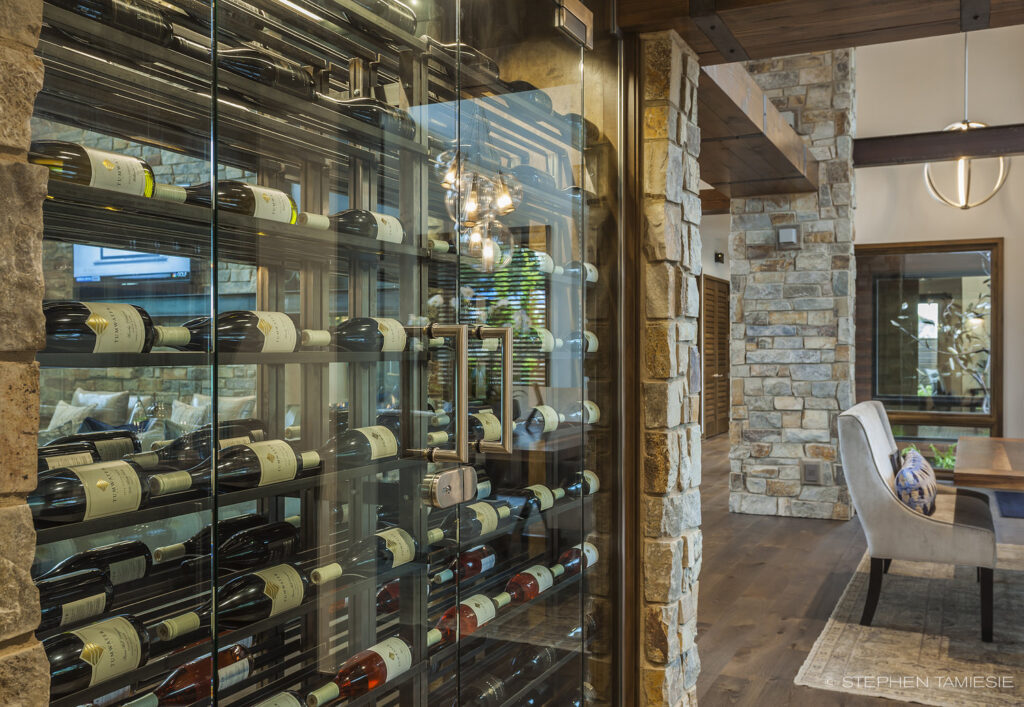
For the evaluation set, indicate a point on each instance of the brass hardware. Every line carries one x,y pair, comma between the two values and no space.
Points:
460,333
504,335
450,487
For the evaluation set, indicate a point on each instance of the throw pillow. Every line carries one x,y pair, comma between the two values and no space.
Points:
67,415
111,406
916,485
228,407
186,416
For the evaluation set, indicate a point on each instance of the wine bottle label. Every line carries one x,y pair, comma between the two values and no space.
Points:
591,340
80,609
396,656
114,449
129,570
118,327
110,647
543,576
389,228
283,586
279,334
544,495
277,461
591,479
110,488
547,340
271,204
232,674
589,272
62,460
116,172
382,442
232,441
400,544
482,607
487,563
544,262
393,333
593,412
590,552
491,425
550,417
281,700
487,516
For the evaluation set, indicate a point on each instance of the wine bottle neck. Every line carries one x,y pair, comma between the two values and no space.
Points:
324,695
171,335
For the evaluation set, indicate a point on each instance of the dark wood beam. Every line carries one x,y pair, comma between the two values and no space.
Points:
975,14
938,146
713,201
704,15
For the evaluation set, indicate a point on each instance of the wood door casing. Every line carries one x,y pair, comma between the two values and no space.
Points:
715,346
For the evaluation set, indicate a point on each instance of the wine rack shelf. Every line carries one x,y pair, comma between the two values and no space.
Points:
186,358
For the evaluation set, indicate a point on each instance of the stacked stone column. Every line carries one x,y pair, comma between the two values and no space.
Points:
670,400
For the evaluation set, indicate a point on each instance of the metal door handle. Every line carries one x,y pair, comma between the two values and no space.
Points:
504,334
460,454
717,375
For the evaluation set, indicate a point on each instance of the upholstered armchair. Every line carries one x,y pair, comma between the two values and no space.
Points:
960,532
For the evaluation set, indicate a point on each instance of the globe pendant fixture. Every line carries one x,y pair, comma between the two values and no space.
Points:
962,198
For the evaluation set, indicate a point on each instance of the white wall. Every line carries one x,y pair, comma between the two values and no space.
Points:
917,86
714,236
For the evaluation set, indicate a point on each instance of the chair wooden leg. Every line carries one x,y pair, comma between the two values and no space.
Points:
874,589
887,563
985,575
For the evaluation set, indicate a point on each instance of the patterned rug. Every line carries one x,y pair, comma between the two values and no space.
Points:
924,644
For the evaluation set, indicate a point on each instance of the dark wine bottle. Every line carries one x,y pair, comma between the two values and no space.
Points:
362,446
87,492
70,599
583,483
247,549
111,445
543,419
135,17
265,68
73,163
578,269
467,565
582,341
195,447
540,338
251,331
372,111
528,92
484,426
532,499
98,327
190,683
585,412
368,556
95,653
368,224
66,455
121,563
202,542
369,334
248,199
471,57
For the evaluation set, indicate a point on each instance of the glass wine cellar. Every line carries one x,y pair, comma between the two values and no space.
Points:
329,398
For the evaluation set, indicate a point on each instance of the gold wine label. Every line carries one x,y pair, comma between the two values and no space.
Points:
97,323
264,326
109,165
91,653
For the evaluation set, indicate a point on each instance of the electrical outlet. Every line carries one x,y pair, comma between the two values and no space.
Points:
810,471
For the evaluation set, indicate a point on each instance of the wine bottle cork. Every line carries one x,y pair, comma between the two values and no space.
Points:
170,192
171,336
558,493
316,337
318,221
309,459
436,438
147,700
442,577
434,637
504,511
327,573
502,600
160,484
435,535
178,626
557,570
168,553
323,695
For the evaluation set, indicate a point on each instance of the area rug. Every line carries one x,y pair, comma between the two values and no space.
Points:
925,642
1011,504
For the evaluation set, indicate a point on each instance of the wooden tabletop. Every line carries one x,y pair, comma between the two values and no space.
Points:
990,462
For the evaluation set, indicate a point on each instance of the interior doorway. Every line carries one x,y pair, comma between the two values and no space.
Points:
715,347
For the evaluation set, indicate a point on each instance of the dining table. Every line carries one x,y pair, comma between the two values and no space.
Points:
990,462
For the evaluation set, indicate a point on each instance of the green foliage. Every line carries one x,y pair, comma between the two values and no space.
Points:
944,459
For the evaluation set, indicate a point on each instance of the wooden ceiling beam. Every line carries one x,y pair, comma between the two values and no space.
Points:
938,146
975,14
704,14
712,202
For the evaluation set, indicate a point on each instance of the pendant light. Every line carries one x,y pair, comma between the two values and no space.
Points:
962,199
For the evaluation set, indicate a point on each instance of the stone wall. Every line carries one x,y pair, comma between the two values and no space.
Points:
670,498
24,671
792,309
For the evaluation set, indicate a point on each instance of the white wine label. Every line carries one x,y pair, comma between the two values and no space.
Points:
547,340
393,333
544,262
62,460
277,461
487,516
110,488
483,488
80,609
118,327
591,478
114,449
544,495
482,607
487,563
232,441
382,442
281,700
389,228
543,576
590,552
593,412
491,425
129,570
233,674
279,333
111,647
116,172
283,586
400,543
396,656
272,204
591,340
590,272
550,417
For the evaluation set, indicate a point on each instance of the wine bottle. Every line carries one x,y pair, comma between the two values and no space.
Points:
95,653
368,224
581,128
540,337
369,334
110,445
88,492
471,57
248,199
98,327
122,562
528,585
243,466
66,455
190,683
583,483
251,331
393,11
487,515
531,662
368,669
486,691
542,261
578,558
468,564
69,599
265,68
368,556
197,446
288,698
372,111
543,419
577,269
202,542
135,17
73,163
250,548
585,412
582,341
532,499
484,426
388,598
466,617
361,446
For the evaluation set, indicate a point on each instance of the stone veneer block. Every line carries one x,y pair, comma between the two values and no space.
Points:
24,675
19,598
22,189
19,410
20,21
20,80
